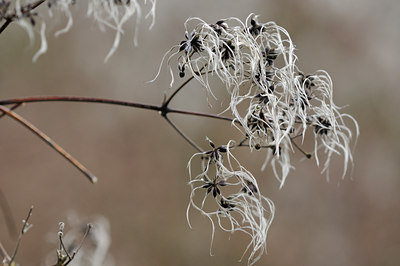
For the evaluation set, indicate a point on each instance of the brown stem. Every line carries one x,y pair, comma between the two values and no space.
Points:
166,102
15,106
78,99
191,142
163,111
50,142
176,91
201,115
162,108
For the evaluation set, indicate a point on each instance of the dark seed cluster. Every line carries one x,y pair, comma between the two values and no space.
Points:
213,186
215,153
193,45
322,127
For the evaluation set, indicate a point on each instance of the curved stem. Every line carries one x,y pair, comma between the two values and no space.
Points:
50,142
166,102
176,91
163,108
78,99
308,155
15,106
180,132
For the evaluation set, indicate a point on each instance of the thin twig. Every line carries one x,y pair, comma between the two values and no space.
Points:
24,229
37,3
263,146
63,260
15,106
152,107
9,20
88,228
5,25
243,141
166,102
50,142
183,112
79,99
194,145
301,150
62,246
8,215
176,91
163,111
308,155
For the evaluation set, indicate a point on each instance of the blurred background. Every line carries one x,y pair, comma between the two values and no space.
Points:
141,161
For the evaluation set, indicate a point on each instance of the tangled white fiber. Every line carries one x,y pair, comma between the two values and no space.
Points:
273,104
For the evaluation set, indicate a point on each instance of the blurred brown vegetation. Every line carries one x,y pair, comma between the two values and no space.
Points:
141,161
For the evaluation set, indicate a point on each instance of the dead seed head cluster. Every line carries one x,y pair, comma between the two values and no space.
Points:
273,104
230,198
112,14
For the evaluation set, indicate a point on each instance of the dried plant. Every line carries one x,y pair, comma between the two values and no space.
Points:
64,256
243,206
84,244
8,260
273,104
113,14
272,101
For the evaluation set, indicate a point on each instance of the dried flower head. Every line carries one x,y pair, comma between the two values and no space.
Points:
230,198
115,14
272,101
112,14
274,105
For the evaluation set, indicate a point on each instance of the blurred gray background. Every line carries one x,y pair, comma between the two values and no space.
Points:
141,161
